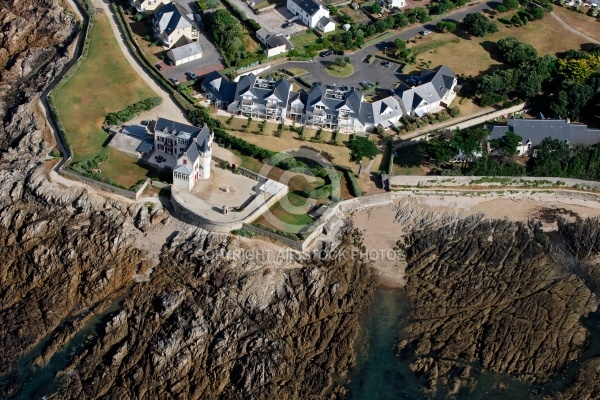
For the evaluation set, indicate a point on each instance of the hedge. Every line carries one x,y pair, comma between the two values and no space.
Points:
349,175
130,112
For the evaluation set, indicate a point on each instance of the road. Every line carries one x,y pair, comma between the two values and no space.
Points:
387,76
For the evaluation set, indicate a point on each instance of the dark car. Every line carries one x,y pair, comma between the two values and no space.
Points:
168,61
287,24
339,52
326,53
174,81
191,75
158,67
386,64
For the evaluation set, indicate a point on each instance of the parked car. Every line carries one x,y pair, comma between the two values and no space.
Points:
339,52
191,75
174,81
287,24
326,53
145,122
158,67
198,17
412,80
168,61
425,32
386,64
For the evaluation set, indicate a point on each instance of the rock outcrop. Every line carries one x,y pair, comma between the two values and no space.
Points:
205,327
495,294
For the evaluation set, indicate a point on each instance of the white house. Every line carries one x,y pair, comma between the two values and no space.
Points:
190,145
186,53
172,22
309,12
147,6
275,44
389,4
434,90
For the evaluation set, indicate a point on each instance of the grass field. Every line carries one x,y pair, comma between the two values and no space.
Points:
302,40
583,23
475,55
105,82
338,155
297,71
340,72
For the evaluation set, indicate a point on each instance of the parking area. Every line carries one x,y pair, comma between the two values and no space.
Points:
210,61
273,21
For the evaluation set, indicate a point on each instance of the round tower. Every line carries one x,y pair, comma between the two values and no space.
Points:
205,157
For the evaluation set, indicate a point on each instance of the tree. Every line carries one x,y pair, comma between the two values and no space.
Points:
376,8
440,149
468,142
446,26
511,4
550,155
228,36
570,100
478,24
507,144
516,20
538,13
579,69
399,44
515,52
361,147
339,61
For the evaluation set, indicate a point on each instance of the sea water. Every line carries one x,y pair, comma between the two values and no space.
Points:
380,374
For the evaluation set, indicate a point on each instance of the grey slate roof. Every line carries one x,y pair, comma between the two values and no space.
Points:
318,93
433,86
199,145
385,109
197,137
278,40
538,129
308,6
187,50
324,21
219,86
246,85
171,17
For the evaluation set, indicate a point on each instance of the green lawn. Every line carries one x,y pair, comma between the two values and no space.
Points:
104,83
277,210
340,72
304,39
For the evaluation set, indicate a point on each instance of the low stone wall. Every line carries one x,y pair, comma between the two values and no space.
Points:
105,186
296,245
193,218
492,182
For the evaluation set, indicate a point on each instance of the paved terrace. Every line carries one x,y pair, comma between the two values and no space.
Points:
204,205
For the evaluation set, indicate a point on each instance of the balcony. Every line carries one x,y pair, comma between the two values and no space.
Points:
247,102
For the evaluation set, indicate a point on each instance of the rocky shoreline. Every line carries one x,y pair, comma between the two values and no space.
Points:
192,323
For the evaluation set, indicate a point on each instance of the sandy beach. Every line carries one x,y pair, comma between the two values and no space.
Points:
382,232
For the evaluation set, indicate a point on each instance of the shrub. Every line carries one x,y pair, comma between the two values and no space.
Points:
130,112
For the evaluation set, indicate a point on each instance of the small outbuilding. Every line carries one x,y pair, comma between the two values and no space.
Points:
186,53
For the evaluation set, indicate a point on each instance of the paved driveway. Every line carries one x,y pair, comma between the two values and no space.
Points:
210,61
388,77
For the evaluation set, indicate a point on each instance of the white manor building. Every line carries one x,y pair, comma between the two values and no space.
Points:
190,145
312,13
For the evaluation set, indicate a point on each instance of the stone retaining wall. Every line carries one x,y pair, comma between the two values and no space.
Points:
105,186
471,181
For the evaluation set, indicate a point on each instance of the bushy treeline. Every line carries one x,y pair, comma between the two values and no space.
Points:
130,112
567,86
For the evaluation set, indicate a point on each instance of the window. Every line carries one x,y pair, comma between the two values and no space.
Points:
161,147
184,162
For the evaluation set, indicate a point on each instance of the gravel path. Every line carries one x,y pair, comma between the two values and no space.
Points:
575,31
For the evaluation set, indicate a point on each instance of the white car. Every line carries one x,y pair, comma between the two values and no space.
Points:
425,32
